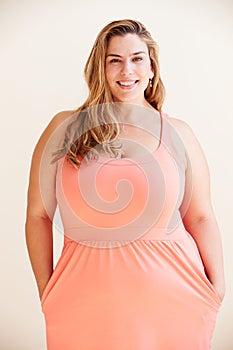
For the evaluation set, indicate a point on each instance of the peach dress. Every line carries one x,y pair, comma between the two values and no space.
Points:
130,276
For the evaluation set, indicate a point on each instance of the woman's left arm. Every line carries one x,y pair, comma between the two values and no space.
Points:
197,211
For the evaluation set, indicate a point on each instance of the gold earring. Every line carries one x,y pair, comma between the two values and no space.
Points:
150,80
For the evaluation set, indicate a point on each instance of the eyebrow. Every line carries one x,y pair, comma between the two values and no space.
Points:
135,53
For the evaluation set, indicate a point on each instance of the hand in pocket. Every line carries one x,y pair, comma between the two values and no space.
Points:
220,290
42,287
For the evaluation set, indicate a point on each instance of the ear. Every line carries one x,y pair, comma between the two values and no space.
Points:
152,72
151,75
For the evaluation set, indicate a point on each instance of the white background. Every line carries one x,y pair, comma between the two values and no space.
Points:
44,46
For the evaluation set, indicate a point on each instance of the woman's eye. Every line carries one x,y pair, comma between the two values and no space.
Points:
114,60
137,59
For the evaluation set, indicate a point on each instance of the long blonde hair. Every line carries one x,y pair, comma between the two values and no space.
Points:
94,122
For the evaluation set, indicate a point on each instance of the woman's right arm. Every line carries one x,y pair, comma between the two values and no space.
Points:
41,200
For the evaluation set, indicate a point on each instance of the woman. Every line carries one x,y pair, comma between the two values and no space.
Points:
142,269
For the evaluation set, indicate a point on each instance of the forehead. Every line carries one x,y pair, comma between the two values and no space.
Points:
126,44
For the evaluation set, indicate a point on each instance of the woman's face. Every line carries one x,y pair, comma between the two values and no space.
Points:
128,68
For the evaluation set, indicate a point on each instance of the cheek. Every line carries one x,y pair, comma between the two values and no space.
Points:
109,73
144,70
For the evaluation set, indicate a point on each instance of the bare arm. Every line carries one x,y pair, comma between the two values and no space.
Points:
41,201
197,211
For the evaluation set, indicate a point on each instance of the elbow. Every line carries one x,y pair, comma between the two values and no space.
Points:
192,221
34,222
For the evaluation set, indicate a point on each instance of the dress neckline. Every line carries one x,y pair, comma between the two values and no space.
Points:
141,159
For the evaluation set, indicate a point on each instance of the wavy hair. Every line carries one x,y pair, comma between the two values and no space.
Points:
95,122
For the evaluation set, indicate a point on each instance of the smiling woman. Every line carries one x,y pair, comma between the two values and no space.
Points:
141,267
128,69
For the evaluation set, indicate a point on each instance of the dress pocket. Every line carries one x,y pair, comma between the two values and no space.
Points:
201,271
45,290
57,273
49,286
212,289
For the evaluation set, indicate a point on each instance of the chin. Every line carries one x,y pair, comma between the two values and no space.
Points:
129,100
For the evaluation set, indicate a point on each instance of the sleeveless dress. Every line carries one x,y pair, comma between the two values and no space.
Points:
130,276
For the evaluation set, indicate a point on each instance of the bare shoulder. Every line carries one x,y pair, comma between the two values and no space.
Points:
58,124
61,117
184,130
181,126
54,132
192,145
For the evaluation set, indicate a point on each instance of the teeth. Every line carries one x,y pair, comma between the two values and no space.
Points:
126,83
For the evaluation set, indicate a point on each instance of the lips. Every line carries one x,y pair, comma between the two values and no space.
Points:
127,83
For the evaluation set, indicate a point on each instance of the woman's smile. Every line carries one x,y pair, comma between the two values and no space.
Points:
127,84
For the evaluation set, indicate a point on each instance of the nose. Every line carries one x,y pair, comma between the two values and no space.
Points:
126,68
